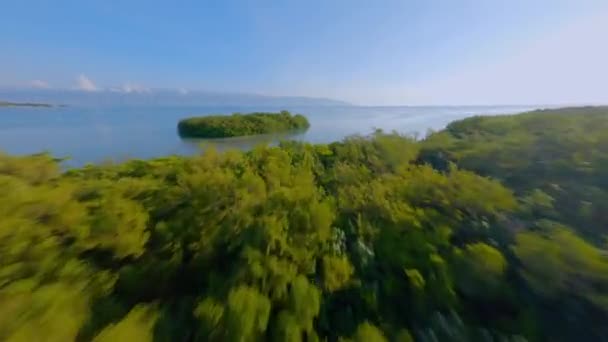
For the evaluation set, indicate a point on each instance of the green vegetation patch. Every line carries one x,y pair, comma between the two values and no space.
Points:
556,160
373,238
235,125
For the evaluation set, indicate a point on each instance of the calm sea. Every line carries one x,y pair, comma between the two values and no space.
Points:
88,135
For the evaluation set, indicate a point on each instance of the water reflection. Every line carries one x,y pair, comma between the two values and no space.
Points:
243,143
96,134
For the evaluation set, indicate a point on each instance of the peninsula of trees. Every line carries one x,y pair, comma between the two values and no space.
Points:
493,229
224,126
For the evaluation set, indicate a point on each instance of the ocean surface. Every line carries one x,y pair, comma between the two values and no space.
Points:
90,135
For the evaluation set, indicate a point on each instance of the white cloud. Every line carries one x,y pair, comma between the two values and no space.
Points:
84,83
39,84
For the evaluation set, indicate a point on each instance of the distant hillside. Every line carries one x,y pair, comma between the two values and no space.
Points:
160,97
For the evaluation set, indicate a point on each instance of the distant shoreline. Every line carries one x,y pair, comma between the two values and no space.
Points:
24,104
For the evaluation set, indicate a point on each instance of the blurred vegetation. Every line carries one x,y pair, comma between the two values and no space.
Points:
224,126
378,238
555,160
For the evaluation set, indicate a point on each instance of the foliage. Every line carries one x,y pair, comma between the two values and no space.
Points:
479,270
223,126
368,333
558,158
136,326
558,263
372,238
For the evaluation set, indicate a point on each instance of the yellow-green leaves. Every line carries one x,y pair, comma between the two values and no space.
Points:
560,262
304,301
287,328
118,224
45,290
53,312
337,272
479,270
415,278
136,326
209,312
246,315
367,332
36,169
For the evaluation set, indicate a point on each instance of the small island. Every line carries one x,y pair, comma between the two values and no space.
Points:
23,104
237,124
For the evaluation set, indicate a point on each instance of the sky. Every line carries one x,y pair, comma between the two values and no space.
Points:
373,52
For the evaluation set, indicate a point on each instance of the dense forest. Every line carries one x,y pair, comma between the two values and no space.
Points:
490,230
235,125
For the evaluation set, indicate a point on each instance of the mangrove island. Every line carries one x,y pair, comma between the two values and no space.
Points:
23,104
237,124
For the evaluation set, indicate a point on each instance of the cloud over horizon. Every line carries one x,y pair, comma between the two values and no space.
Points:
413,53
85,83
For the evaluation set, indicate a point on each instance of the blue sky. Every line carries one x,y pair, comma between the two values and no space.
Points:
366,52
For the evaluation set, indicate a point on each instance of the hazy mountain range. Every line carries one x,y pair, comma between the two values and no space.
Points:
163,97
